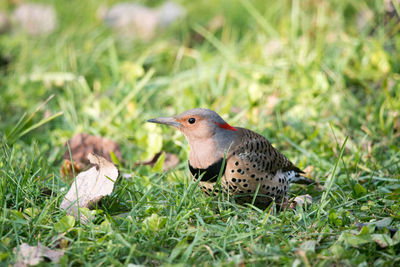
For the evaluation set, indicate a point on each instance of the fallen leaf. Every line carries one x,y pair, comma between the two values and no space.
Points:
32,255
170,161
383,240
89,187
81,145
308,171
300,201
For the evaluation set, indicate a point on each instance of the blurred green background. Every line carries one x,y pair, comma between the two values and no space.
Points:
305,74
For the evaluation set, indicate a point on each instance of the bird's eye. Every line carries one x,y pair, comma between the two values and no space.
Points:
192,120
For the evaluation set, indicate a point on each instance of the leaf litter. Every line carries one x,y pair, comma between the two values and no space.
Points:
31,255
302,201
80,146
90,187
170,161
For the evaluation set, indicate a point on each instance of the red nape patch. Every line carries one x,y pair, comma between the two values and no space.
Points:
226,126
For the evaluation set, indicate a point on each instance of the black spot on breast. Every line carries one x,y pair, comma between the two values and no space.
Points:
232,171
210,173
233,180
253,175
236,163
257,179
247,169
241,191
245,185
239,170
249,190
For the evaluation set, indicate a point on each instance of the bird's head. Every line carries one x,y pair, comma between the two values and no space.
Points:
197,123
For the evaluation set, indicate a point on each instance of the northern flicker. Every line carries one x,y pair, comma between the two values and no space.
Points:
248,162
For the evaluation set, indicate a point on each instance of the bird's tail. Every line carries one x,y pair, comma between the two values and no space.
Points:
299,179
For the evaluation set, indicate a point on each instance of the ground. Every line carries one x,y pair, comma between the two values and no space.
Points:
319,79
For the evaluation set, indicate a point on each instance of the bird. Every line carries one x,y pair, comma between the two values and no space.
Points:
234,160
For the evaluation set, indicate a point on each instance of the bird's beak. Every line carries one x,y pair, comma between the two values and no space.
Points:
167,120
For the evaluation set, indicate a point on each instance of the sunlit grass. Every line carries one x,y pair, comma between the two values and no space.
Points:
308,75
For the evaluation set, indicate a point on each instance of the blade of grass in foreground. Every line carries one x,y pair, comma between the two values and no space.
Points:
330,181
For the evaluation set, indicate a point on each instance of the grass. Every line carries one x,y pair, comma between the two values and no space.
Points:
320,79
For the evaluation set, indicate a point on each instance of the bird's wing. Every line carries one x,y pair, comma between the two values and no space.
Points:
255,165
260,154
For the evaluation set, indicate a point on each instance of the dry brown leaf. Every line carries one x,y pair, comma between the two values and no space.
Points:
308,171
81,145
300,201
170,161
32,255
90,186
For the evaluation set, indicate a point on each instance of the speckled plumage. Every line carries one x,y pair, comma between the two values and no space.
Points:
252,164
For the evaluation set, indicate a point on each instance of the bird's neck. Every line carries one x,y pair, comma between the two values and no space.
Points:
205,152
